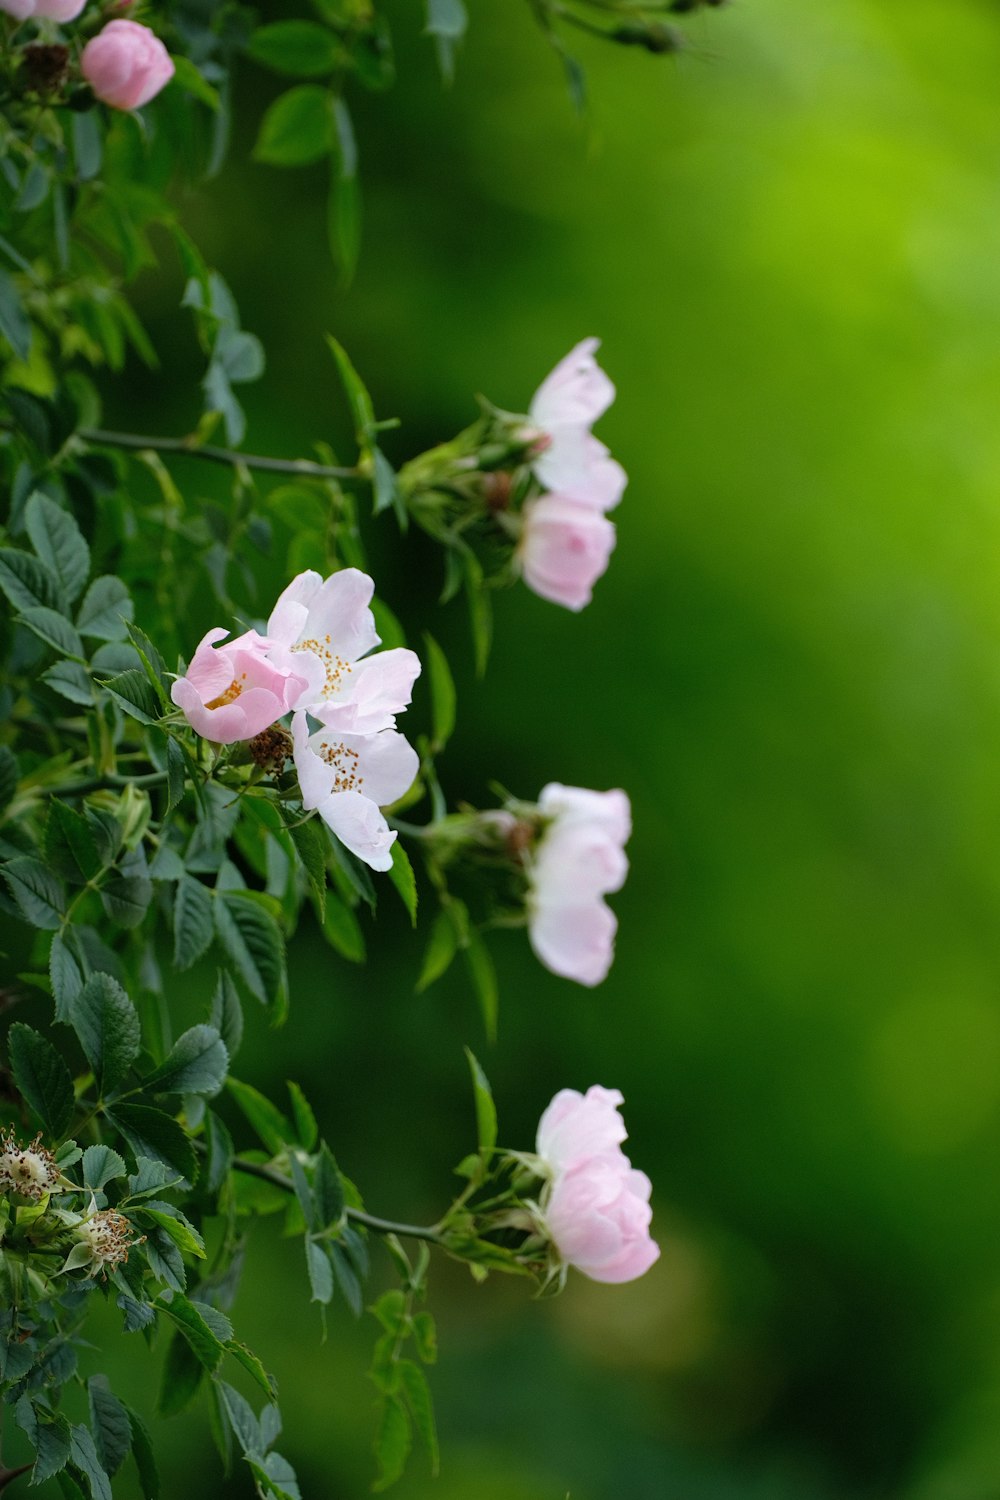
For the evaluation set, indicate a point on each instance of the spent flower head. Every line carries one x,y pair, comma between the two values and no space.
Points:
29,1171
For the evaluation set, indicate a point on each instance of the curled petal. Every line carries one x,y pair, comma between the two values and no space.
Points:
576,1126
577,391
360,826
574,941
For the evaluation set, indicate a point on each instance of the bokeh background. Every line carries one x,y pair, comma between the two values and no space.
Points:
789,241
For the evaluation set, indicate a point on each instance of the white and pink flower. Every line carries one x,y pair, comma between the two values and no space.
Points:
579,859
564,549
595,1206
52,10
321,629
348,778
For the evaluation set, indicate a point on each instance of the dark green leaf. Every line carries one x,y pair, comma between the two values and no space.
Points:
342,931
183,1373
87,144
70,679
50,1440
443,697
52,628
194,921
59,542
265,1117
197,1064
442,945
297,128
392,1443
101,1165
42,1077
105,1020
306,1129
150,1132
14,322
302,49
126,898
26,580
328,1189
70,842
192,81
65,977
245,1427
418,1399
83,1456
145,1459
484,980
362,410
312,845
8,776
38,893
404,880
133,692
227,1013
109,1420
206,1347
105,610
252,939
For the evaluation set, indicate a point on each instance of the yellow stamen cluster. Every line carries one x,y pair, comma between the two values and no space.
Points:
232,692
345,767
29,1171
335,666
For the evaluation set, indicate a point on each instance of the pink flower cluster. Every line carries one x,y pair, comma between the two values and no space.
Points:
596,1205
313,662
579,859
567,538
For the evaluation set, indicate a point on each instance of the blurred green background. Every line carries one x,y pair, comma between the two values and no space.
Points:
789,241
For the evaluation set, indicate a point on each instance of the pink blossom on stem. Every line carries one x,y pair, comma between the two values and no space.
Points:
574,463
595,1205
565,547
233,692
53,10
126,65
579,859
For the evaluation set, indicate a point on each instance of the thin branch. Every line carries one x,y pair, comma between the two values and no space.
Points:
189,448
356,1215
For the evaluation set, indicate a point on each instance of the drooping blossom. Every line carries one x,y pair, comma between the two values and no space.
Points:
53,10
348,778
126,64
321,629
595,1205
574,463
564,548
28,1171
576,1127
234,691
578,860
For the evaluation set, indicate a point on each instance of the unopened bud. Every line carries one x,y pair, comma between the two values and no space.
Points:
496,489
271,748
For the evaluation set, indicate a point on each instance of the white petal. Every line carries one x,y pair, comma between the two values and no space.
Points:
608,810
574,941
369,697
315,776
339,616
360,826
289,615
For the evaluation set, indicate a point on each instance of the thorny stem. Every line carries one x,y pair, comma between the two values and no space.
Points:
229,456
430,1233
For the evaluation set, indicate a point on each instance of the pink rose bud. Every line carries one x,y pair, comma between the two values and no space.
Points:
564,549
126,65
233,692
598,1216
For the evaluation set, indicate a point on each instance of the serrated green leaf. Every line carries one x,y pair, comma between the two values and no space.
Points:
110,1423
197,1064
126,898
194,921
418,1399
206,1347
297,128
150,1132
64,975
71,680
106,609
59,542
252,939
52,628
265,1117
83,1456
106,1022
227,1013
183,1234
133,692
312,846
246,1428
26,580
50,1440
36,890
42,1077
252,1365
328,1188
145,1459
70,838
101,1165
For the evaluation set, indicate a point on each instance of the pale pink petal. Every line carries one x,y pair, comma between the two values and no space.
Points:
575,863
565,547
574,941
610,811
360,826
368,699
577,391
19,9
59,10
315,776
339,616
210,672
575,1126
